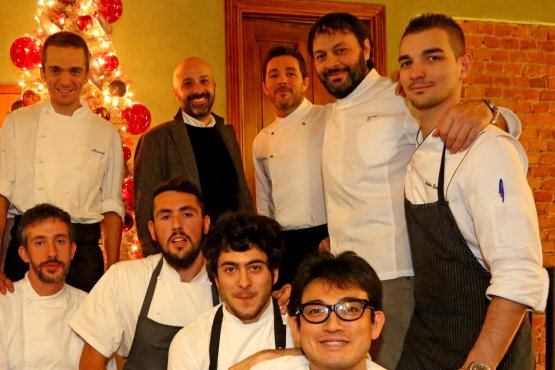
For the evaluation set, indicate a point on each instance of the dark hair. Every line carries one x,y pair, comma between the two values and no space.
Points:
41,213
344,270
239,232
428,21
66,39
181,185
278,51
343,22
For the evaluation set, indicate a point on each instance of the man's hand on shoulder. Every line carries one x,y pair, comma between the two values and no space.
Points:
5,284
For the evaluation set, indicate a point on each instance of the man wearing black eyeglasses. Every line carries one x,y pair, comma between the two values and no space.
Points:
336,304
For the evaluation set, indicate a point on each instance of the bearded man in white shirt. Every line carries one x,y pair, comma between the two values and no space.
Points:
288,160
242,253
472,223
368,141
34,320
60,152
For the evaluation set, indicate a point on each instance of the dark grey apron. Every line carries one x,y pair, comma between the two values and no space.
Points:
450,294
214,349
149,350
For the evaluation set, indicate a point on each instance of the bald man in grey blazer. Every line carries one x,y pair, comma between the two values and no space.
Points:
195,144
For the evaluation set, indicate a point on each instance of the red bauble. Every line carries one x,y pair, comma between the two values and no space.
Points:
138,118
26,52
128,222
118,88
67,1
111,9
127,192
30,97
126,153
111,62
84,22
102,112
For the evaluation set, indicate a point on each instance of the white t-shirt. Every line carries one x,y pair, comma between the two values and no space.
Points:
287,158
35,332
299,363
493,207
108,317
74,162
190,347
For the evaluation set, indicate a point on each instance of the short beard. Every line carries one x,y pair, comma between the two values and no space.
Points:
181,262
198,113
48,279
356,74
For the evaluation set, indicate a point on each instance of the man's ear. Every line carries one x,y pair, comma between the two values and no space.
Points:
305,83
275,275
295,330
377,324
367,49
205,224
23,254
151,230
73,249
466,65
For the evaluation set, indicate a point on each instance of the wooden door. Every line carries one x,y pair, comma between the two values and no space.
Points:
253,27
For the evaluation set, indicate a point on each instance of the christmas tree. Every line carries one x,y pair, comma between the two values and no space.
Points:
108,91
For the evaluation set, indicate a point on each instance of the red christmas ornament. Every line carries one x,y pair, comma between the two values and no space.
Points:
127,222
118,88
30,97
110,9
127,192
84,22
102,112
111,62
126,153
67,1
25,52
138,118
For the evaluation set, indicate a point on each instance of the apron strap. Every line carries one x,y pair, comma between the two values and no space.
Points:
215,338
440,180
279,327
279,333
215,295
150,290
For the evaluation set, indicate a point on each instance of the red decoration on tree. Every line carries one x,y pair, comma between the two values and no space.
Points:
127,192
30,97
25,52
67,1
118,88
138,118
110,9
102,112
126,153
111,62
128,222
84,22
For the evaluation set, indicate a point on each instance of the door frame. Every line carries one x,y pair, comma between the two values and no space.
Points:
304,11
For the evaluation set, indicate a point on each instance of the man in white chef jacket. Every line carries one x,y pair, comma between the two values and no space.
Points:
34,319
287,158
59,152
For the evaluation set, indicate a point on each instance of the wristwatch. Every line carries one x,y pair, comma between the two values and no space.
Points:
475,366
493,108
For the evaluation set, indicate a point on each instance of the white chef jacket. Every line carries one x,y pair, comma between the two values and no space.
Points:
288,168
299,363
74,162
493,206
190,347
108,317
368,141
35,333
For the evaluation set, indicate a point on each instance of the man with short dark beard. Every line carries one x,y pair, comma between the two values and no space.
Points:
138,306
196,144
35,332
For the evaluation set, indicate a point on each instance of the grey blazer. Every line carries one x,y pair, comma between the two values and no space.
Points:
165,152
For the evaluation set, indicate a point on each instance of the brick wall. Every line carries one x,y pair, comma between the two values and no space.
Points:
514,66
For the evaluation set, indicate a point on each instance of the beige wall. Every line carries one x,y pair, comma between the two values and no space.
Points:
152,36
